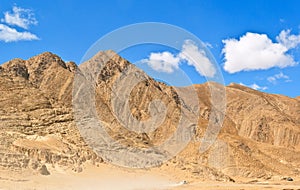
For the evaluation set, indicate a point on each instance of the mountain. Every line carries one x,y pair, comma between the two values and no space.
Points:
260,137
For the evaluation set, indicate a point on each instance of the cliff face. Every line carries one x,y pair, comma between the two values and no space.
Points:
260,136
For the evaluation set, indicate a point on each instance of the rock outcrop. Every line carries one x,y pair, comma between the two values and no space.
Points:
36,115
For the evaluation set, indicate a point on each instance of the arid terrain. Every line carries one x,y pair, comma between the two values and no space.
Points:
258,146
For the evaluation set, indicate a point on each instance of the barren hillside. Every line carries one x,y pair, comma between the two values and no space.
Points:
260,137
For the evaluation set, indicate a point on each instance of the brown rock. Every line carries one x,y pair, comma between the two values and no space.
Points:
44,171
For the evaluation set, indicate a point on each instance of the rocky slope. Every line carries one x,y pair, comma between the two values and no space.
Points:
36,117
260,137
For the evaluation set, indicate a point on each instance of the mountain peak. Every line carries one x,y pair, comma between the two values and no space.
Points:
103,56
16,67
12,62
44,60
46,55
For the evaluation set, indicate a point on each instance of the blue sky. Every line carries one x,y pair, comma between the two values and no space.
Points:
255,42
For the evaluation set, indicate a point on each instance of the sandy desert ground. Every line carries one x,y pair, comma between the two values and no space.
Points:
107,177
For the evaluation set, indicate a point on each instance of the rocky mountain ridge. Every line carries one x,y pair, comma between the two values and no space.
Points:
260,137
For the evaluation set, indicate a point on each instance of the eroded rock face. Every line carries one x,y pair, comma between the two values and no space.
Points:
266,118
260,135
36,116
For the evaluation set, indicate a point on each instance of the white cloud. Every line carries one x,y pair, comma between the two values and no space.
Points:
208,45
190,53
20,17
197,57
8,34
273,79
255,86
288,40
257,52
163,62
